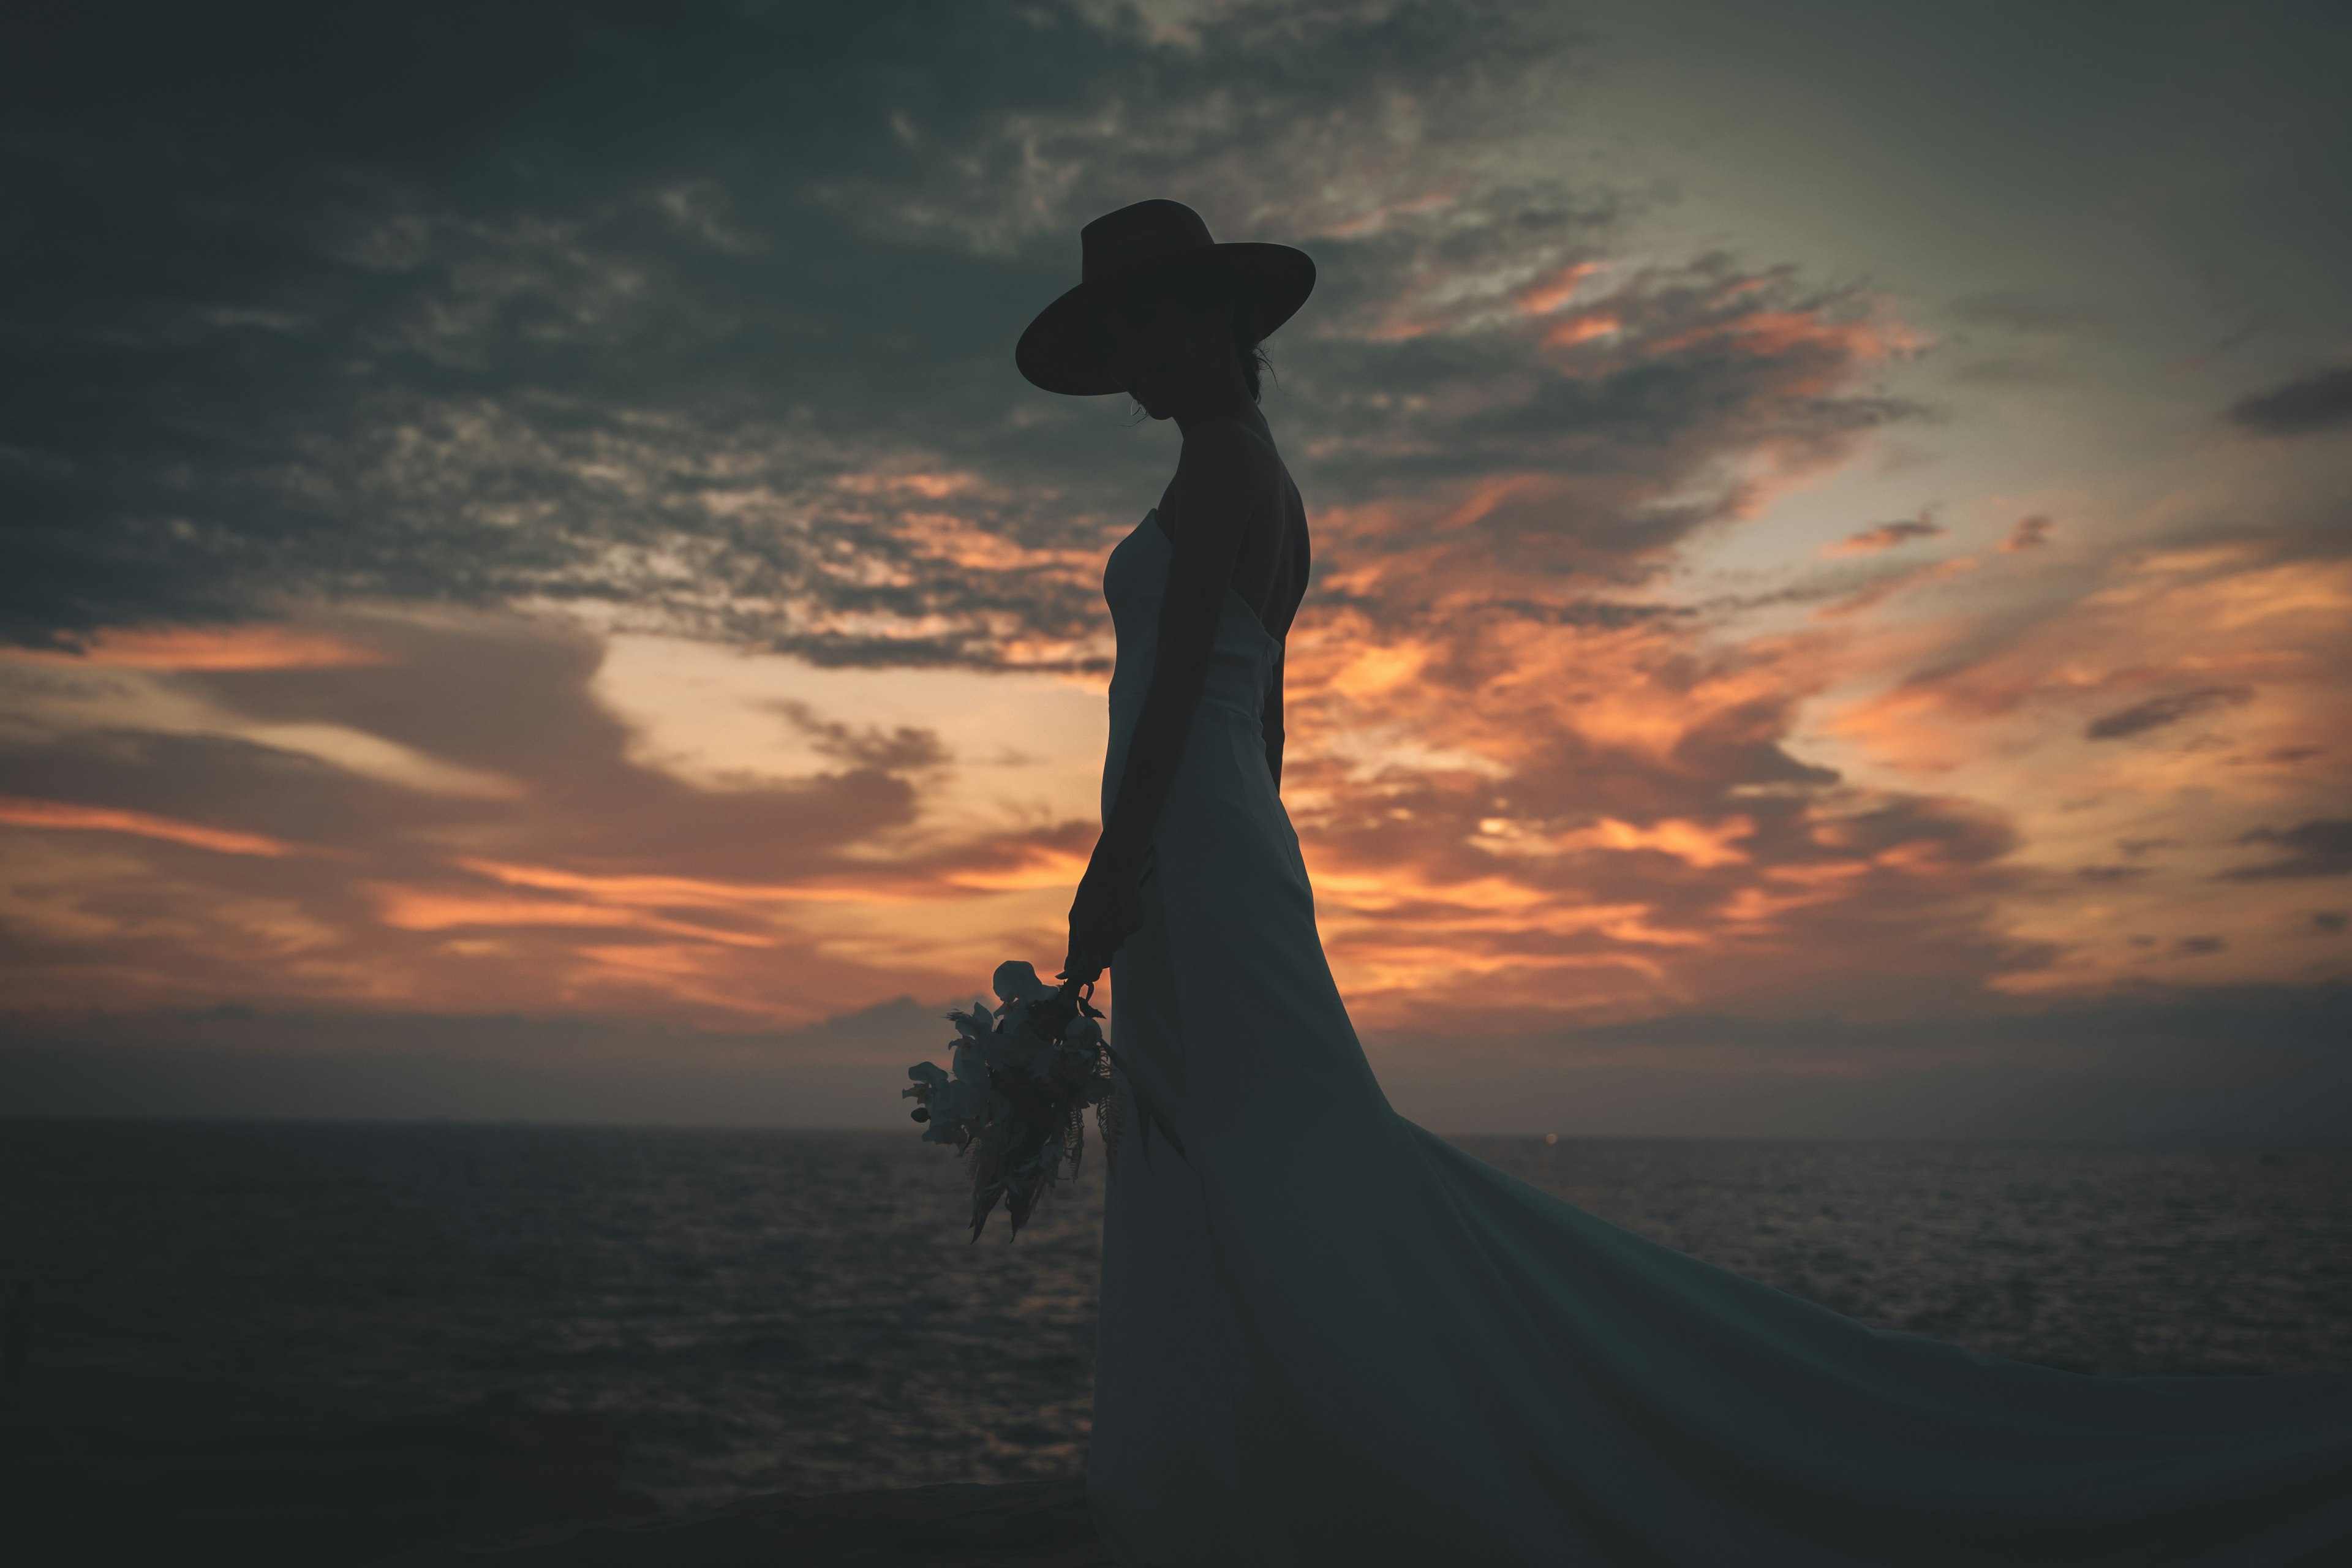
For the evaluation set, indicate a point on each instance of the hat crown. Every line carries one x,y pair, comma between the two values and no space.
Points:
1133,238
1061,349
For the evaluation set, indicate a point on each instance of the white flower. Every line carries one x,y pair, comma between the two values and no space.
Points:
970,1061
1020,1047
1018,982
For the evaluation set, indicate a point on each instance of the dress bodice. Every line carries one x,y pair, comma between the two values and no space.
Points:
1241,662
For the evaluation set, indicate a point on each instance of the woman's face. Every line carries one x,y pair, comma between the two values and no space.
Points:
1170,353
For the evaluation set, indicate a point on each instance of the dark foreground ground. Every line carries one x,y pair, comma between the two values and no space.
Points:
1012,1524
498,1485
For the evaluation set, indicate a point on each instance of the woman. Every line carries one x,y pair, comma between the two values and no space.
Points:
1329,1337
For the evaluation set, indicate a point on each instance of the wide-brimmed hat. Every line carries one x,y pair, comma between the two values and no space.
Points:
1061,351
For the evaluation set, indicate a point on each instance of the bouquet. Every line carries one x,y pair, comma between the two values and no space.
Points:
1017,1101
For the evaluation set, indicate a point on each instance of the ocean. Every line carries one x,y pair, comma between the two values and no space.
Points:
801,1312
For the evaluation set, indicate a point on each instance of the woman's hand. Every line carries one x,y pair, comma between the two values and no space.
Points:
1106,912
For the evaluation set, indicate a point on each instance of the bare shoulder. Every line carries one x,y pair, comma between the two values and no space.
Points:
1228,470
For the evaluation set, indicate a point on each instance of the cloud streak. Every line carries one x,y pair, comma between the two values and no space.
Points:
2159,712
67,816
1884,536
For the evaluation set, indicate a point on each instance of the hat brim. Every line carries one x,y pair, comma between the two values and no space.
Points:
1061,351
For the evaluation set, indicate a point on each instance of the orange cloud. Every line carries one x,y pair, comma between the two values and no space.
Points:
1839,343
1583,329
930,487
2174,701
1549,294
261,646
423,908
1535,775
662,891
1007,867
1039,867
72,817
1693,843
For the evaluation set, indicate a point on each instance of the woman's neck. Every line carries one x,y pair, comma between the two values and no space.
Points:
1241,410
1228,398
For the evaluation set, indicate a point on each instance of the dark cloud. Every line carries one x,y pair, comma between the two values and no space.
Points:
589,301
2319,849
2321,401
546,312
2158,712
636,308
897,750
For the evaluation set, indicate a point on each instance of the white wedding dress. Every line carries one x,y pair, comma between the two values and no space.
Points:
1330,1337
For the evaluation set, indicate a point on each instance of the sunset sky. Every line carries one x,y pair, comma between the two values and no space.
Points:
532,585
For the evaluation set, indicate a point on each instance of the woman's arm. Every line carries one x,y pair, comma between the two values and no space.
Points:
1219,479
1270,721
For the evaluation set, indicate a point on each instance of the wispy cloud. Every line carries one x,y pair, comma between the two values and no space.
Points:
1884,536
70,816
2028,534
2158,712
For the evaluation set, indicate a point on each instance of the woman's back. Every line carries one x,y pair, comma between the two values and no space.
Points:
1271,569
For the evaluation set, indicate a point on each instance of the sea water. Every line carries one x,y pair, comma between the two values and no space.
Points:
803,1312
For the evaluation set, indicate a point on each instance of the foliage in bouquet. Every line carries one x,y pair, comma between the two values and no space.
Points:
1015,1101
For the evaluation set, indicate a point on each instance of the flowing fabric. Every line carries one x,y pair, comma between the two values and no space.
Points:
1328,1336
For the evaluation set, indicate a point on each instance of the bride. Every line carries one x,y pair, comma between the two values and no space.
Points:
1330,1337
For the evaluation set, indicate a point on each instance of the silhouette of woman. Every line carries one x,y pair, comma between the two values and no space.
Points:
1330,1337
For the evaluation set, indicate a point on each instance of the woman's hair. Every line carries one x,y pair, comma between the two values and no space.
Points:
1219,289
